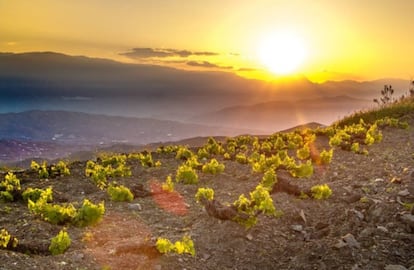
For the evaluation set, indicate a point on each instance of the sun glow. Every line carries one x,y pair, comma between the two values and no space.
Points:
282,53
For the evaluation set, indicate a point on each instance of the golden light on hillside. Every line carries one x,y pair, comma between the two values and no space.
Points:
282,53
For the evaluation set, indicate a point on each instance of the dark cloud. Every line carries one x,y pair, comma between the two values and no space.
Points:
206,53
140,53
207,64
247,69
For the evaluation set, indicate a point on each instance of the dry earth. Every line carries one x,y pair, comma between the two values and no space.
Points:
342,232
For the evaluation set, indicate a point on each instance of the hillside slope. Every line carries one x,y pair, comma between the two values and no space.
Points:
367,223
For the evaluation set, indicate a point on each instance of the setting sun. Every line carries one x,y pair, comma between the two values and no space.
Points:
282,53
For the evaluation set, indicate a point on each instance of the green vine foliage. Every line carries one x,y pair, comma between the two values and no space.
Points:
7,240
269,179
186,245
260,201
89,214
53,213
168,185
321,192
304,152
145,158
326,156
167,149
351,137
213,167
213,147
204,194
184,153
186,174
301,170
109,166
60,243
8,187
61,168
119,193
241,158
35,194
41,169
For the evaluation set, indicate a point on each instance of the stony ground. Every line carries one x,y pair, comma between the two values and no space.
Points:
363,225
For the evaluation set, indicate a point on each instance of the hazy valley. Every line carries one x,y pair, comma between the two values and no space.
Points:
79,103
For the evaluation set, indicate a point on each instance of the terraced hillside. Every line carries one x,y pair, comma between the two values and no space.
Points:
361,219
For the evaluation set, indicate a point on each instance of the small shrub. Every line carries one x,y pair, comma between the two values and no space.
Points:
202,153
61,168
260,202
204,194
213,167
55,213
158,163
183,153
145,158
35,194
89,214
213,147
168,185
164,245
120,193
60,243
193,162
8,187
167,149
111,166
266,147
302,170
304,152
186,245
6,239
355,147
6,196
279,144
241,158
41,169
386,96
263,202
269,179
10,182
320,192
326,156
186,174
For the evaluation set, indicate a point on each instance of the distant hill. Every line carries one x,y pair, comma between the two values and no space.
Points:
89,129
59,133
279,115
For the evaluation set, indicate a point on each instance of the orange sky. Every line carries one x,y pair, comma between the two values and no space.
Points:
350,39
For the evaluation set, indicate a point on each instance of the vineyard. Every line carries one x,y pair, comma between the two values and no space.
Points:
338,197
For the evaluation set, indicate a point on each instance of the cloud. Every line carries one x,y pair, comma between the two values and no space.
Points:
142,53
207,64
247,69
76,98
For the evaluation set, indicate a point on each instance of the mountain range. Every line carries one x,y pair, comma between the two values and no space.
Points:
53,81
58,99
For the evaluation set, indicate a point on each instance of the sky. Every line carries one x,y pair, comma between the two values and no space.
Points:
336,40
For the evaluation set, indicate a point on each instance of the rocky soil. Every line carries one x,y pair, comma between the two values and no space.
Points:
365,224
